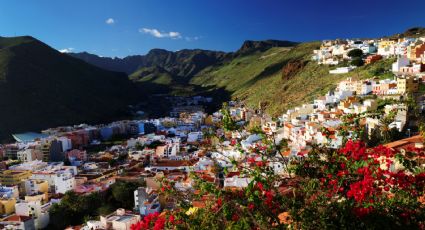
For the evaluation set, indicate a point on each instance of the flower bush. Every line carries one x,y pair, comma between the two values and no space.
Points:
354,187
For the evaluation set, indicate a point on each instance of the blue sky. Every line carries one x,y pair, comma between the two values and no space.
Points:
127,27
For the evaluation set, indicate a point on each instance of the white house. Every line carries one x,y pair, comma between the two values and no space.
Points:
341,70
402,61
146,202
60,178
119,220
36,210
193,137
236,181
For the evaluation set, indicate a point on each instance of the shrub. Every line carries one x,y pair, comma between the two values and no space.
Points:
355,53
357,62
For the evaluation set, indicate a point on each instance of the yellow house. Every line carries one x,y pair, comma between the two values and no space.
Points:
42,197
407,84
14,177
34,186
7,206
385,43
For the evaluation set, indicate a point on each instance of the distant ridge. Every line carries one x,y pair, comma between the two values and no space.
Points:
413,32
182,63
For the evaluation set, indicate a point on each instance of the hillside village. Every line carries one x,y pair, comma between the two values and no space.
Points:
40,169
410,54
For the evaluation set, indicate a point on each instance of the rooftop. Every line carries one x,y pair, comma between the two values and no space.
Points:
28,137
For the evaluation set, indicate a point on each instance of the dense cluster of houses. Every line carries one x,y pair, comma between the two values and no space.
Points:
311,123
409,52
40,167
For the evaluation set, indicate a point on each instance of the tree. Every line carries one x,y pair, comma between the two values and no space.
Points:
123,194
228,123
73,209
357,61
355,53
385,128
377,71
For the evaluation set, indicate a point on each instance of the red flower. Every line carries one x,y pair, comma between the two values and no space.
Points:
219,202
235,217
251,160
149,220
171,218
159,224
260,163
260,186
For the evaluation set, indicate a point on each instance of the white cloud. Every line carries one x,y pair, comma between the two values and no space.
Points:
158,34
67,50
191,39
110,21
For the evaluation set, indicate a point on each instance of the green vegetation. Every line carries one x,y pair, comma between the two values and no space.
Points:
421,88
75,209
123,194
358,61
153,74
258,77
42,88
278,75
228,123
355,53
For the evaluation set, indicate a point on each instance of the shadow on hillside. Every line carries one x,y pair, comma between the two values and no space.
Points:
154,95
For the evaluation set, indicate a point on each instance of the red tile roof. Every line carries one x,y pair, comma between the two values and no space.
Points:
17,218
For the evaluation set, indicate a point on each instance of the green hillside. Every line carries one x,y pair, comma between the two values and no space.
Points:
280,78
154,74
41,88
277,74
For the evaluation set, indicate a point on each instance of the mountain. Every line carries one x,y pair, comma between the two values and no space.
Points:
413,32
279,78
181,63
41,87
162,71
249,46
127,65
277,74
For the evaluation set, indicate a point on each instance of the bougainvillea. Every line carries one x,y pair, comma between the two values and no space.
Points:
354,187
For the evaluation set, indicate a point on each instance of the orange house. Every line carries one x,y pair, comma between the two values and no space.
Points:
372,58
417,51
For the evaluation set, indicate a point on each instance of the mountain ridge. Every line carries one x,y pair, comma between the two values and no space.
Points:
192,60
41,87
